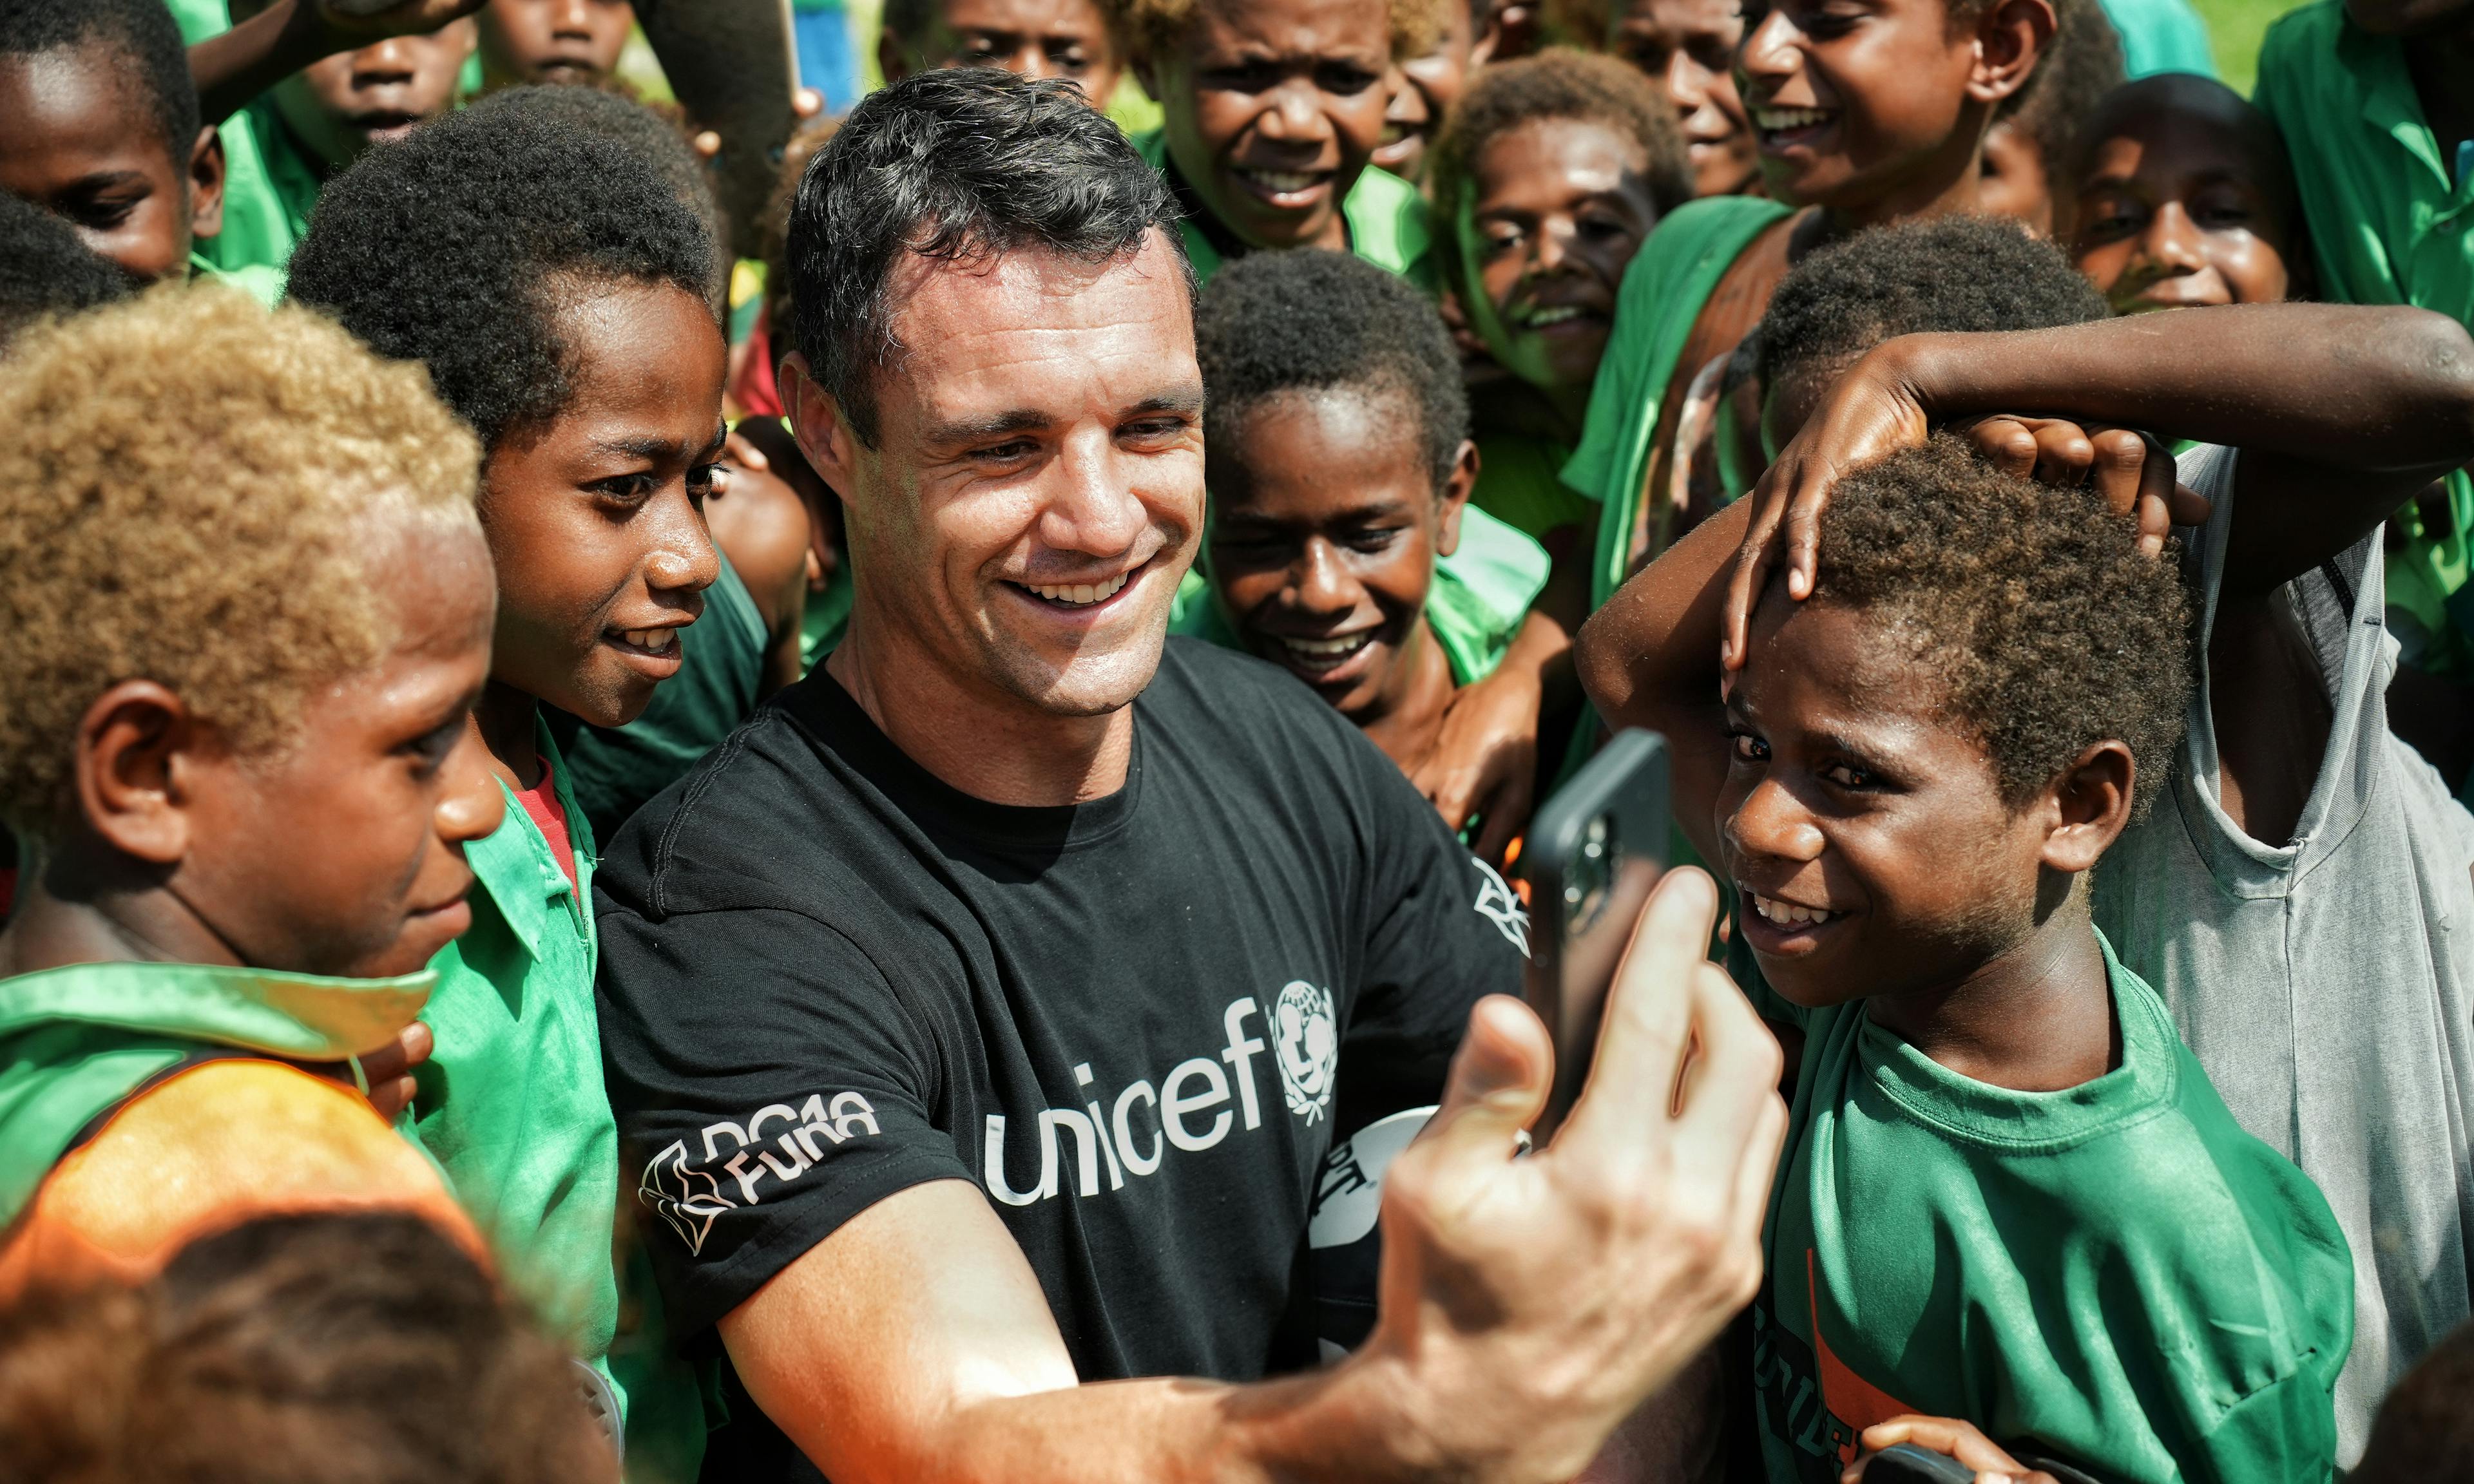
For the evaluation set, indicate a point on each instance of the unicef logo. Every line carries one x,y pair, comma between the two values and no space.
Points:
1306,1044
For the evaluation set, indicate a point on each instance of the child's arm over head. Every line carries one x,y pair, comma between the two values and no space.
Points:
2343,412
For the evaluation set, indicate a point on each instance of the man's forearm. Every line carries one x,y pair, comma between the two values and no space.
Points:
2387,389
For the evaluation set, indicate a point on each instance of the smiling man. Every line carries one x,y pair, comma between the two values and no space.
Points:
980,1018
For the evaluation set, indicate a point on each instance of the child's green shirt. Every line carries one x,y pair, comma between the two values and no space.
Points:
269,185
78,1042
1672,277
2392,222
2115,1274
1386,217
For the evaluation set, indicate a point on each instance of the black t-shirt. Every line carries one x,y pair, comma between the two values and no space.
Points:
1134,1023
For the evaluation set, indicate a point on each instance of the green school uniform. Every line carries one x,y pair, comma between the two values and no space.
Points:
78,1042
511,1104
2392,222
270,185
1473,608
614,770
2116,1274
1519,484
1663,290
1386,217
2161,36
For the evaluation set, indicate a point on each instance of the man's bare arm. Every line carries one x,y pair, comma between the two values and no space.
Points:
244,61
1528,1305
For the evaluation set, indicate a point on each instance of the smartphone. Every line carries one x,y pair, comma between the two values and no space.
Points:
1904,1463
1591,858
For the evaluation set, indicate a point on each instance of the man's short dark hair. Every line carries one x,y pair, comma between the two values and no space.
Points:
142,39
1938,274
2031,606
45,268
442,249
1308,321
963,164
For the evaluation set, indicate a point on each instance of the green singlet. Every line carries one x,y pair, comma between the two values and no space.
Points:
2114,1274
2392,222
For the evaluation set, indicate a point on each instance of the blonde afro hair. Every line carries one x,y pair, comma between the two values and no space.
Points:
1154,28
196,490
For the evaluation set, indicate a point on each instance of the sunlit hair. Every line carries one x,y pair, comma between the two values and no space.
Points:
197,489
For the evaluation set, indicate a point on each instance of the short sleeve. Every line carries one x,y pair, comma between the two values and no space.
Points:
1443,930
769,1086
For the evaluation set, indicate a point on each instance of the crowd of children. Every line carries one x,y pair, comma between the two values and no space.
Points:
2023,480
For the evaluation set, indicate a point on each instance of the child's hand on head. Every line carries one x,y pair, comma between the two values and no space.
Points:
1951,1438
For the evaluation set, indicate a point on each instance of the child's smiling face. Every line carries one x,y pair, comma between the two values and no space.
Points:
1273,109
1865,829
339,105
1323,551
2185,199
1689,46
595,520
1560,205
1858,102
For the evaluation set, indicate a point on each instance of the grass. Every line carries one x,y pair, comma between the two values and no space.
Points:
2235,28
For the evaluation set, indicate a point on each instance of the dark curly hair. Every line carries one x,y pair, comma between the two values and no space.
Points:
2030,605
1558,82
2082,63
442,249
1307,321
1937,273
139,34
46,269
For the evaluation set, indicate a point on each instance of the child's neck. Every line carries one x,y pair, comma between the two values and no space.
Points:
1406,723
107,909
504,720
1945,185
2037,1018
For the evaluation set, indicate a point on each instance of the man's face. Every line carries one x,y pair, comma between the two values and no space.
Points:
551,40
77,138
1273,108
596,519
2178,209
1865,832
1562,206
1324,543
339,105
343,855
1036,489
1854,102
1033,39
1689,45
1423,90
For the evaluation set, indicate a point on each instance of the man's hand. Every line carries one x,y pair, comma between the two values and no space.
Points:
1485,759
388,1070
1529,1305
1951,1438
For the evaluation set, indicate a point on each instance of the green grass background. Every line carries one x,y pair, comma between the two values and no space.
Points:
2234,29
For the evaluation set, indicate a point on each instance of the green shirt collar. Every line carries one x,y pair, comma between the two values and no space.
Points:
302,1016
515,864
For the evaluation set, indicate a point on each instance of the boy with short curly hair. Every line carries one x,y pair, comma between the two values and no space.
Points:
242,557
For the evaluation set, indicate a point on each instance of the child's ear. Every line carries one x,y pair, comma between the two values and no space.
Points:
2089,806
816,423
2011,36
131,789
1453,498
206,185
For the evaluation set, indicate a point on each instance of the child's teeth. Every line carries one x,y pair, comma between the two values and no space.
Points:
1283,179
1775,119
1788,912
1081,594
1349,644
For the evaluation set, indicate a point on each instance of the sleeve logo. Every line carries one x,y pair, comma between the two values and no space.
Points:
1307,1042
690,1199
1498,905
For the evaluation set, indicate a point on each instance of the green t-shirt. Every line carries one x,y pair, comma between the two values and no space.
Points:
2161,36
2390,223
1475,605
77,1041
270,186
1386,218
1672,277
614,770
2115,1274
1519,484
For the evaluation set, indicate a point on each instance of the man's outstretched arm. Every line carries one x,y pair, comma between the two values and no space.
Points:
1527,1305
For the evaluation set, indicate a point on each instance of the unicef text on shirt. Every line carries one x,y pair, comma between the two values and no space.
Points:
1133,1132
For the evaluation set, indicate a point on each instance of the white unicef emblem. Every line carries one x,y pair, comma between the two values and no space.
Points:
1307,1046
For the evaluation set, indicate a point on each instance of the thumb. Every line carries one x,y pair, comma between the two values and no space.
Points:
1498,1081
